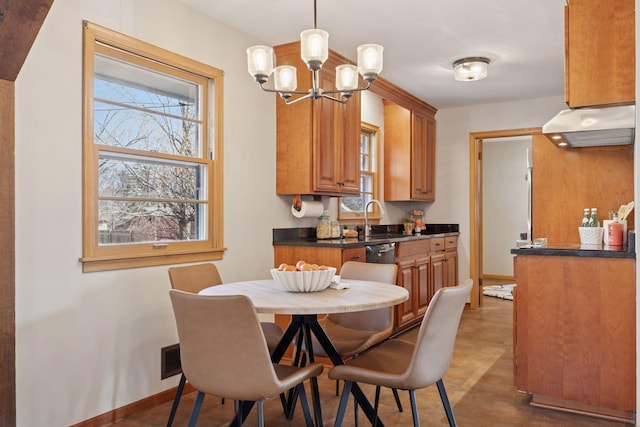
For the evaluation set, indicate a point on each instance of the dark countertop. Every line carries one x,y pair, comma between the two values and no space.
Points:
576,249
379,234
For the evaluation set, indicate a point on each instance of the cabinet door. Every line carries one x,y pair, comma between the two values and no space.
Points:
326,133
405,313
600,52
438,272
422,284
423,157
451,268
349,178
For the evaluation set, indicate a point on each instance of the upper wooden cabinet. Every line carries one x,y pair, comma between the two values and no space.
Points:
317,147
409,153
600,52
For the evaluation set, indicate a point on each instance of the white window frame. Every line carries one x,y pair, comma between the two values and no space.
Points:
209,246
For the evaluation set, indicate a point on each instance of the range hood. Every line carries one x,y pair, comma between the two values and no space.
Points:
593,127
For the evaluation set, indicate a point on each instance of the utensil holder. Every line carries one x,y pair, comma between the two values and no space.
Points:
590,235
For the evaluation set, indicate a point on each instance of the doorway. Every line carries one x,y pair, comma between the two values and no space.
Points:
477,212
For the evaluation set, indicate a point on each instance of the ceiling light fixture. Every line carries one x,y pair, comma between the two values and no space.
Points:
314,47
470,69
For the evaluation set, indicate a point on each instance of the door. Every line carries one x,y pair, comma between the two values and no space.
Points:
476,208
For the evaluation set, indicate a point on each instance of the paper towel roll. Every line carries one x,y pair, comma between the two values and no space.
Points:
308,210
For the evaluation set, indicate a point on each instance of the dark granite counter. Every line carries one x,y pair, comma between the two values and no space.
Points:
577,250
379,234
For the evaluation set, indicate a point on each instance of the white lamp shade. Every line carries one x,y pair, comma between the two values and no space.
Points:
285,79
470,69
260,60
314,47
370,60
346,77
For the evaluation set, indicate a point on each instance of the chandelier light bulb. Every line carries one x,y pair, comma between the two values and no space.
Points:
370,61
346,77
260,61
285,79
314,48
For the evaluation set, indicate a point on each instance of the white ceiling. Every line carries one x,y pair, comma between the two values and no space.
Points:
524,40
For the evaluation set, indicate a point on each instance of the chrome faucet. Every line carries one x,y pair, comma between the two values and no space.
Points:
367,229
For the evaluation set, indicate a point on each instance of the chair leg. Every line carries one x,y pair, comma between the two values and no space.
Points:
414,408
195,411
397,398
445,403
304,403
346,390
260,414
176,399
375,406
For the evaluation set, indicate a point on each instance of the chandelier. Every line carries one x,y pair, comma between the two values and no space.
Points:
314,51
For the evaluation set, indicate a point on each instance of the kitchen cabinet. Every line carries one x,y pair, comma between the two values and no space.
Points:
317,141
415,275
444,262
599,52
409,153
424,266
574,333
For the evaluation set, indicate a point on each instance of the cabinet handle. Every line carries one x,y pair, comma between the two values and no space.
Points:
340,182
355,257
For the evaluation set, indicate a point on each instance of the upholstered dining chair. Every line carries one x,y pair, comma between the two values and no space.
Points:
355,332
224,352
403,365
194,278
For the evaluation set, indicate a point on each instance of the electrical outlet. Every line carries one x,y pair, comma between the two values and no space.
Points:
170,357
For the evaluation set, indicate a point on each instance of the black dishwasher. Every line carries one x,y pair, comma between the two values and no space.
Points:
383,253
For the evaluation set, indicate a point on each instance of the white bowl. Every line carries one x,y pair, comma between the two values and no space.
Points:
304,281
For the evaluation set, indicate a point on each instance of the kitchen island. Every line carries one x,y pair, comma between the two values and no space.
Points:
574,329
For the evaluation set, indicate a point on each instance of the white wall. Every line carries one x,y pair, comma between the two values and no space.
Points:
453,127
89,343
504,201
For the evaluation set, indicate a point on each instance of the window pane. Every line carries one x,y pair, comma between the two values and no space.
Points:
351,204
366,183
124,222
145,110
132,176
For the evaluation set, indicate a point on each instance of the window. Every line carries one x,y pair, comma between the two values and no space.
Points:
152,150
353,207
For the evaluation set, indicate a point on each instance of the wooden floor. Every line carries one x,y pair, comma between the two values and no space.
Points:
479,383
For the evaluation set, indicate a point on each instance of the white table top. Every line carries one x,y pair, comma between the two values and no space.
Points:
269,297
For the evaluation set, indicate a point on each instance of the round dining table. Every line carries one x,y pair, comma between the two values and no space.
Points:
268,297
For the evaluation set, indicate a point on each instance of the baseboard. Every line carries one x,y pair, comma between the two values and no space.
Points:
611,414
123,412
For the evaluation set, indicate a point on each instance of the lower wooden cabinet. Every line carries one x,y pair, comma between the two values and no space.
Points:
424,266
331,257
575,333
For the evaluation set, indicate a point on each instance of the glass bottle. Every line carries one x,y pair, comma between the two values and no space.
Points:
585,218
323,229
593,220
335,230
615,231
